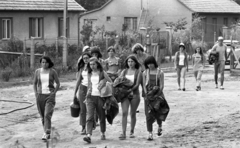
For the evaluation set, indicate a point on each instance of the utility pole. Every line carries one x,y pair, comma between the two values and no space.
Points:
65,52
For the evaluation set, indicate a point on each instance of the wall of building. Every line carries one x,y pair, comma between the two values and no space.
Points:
159,12
209,25
116,10
50,19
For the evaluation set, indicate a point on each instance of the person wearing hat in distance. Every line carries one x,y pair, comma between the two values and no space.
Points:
45,93
219,66
181,66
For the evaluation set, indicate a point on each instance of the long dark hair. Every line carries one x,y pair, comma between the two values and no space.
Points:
48,60
150,60
81,62
133,57
99,66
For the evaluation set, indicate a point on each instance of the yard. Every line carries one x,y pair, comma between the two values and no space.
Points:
209,118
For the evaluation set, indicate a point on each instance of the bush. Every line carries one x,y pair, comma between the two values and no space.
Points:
6,75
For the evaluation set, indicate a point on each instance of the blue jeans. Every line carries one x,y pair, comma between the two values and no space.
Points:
82,96
95,103
45,105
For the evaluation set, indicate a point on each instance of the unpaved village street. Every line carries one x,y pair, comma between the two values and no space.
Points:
198,119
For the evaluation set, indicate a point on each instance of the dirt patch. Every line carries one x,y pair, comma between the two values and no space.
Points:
207,118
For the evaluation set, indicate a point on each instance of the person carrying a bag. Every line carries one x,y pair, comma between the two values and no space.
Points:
134,74
94,101
156,107
81,88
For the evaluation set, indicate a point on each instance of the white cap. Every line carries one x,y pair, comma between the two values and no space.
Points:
220,38
85,48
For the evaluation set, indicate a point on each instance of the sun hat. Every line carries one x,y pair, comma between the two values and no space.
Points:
182,45
85,48
220,38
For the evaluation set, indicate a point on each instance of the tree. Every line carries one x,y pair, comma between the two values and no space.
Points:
91,4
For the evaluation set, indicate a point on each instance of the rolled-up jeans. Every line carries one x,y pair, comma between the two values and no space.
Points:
95,103
45,105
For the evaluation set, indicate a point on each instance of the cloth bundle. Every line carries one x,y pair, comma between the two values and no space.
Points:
121,88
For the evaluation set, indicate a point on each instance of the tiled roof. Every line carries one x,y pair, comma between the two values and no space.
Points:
212,6
46,5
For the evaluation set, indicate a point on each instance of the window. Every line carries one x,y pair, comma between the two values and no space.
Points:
5,28
36,27
225,22
108,18
60,27
131,23
214,23
91,22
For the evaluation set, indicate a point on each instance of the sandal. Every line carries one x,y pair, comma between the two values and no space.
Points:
122,137
131,135
159,132
87,139
150,137
103,137
83,132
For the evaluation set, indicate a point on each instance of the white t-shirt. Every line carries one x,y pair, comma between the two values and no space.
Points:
130,77
181,59
85,78
45,82
95,82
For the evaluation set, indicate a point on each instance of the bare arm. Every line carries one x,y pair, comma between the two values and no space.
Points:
139,78
107,77
78,83
175,60
144,82
161,81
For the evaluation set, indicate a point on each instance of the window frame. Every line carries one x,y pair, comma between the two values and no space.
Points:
9,32
133,23
31,25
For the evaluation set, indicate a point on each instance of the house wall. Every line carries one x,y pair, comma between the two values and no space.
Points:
166,11
209,32
117,10
50,19
159,12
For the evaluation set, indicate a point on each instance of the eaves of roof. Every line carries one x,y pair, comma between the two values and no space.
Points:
98,9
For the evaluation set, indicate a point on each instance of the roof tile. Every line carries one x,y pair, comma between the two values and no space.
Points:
212,6
49,5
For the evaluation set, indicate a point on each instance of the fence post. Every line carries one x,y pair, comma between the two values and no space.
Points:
56,47
32,59
169,29
65,54
24,46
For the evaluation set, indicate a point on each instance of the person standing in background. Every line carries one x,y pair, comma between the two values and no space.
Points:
181,66
198,65
219,66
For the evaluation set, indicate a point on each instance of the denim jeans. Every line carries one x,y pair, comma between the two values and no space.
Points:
150,119
45,105
95,103
81,97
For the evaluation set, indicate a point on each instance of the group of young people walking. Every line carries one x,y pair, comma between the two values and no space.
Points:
93,73
92,69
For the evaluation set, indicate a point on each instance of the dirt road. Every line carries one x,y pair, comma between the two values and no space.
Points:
208,118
